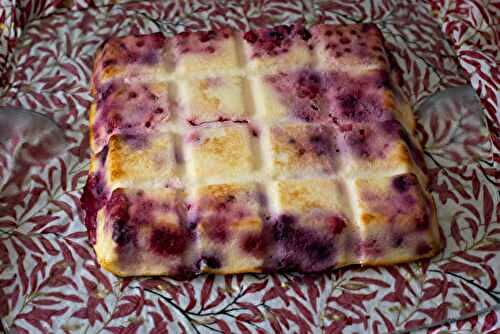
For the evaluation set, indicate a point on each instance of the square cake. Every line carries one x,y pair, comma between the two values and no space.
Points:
276,149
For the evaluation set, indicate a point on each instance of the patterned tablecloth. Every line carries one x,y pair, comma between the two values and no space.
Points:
49,280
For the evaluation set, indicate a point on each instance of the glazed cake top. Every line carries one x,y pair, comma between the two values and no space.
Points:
305,124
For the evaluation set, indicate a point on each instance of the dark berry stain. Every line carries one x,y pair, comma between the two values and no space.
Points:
185,272
262,198
103,155
149,58
192,223
302,92
207,36
397,240
123,233
304,33
141,106
106,91
318,251
132,57
252,244
391,127
305,115
358,144
357,46
216,228
403,183
309,84
212,261
205,42
117,208
276,35
108,62
250,37
321,144
337,224
383,80
283,226
357,99
179,158
367,27
423,248
348,102
114,122
144,50
118,205
169,241
93,199
275,41
345,40
302,248
422,223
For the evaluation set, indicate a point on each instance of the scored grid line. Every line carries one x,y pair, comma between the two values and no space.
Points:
253,116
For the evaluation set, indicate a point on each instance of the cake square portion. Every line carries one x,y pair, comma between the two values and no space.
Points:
217,153
354,47
212,99
313,225
307,195
205,51
301,150
134,57
396,219
141,161
128,108
359,97
278,48
378,148
144,232
297,95
228,217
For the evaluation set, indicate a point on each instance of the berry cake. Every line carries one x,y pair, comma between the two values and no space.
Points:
275,149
